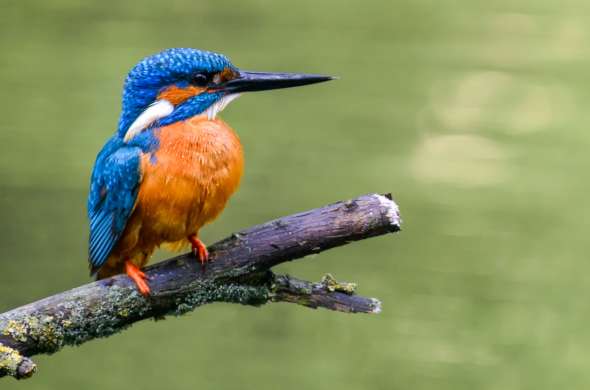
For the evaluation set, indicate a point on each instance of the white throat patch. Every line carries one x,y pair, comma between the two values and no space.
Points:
219,105
162,108
157,110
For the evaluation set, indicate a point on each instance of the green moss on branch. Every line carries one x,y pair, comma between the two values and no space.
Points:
14,364
239,273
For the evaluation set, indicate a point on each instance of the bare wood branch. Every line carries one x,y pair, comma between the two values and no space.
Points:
328,293
239,273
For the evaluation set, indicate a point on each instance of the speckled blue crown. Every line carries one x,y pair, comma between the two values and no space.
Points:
177,65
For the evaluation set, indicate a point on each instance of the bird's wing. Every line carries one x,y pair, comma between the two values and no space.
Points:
113,191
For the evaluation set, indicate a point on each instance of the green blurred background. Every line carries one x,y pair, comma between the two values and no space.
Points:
472,113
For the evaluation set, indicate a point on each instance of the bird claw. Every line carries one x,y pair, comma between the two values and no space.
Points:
199,249
139,278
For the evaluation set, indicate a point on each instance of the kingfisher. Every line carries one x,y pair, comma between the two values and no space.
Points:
172,164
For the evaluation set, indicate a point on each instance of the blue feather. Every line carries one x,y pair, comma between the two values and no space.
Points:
113,192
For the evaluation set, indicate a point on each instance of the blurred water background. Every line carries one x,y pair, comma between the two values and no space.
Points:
472,113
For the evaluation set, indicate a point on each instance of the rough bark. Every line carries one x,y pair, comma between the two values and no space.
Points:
239,272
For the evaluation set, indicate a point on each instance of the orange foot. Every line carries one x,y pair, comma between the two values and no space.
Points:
199,249
138,277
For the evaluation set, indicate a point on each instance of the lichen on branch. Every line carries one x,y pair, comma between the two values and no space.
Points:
238,273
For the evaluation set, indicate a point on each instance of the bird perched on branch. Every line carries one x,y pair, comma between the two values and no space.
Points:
172,164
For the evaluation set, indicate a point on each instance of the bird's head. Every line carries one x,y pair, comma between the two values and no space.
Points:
177,84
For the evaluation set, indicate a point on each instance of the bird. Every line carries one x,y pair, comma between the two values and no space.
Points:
172,164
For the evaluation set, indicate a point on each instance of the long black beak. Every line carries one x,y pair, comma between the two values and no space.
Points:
262,81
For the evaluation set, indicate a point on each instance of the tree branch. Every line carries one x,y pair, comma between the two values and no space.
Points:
239,272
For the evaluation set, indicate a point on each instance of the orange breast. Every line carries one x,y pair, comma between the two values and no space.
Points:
197,168
186,183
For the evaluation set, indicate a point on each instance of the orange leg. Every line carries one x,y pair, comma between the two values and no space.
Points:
199,249
138,277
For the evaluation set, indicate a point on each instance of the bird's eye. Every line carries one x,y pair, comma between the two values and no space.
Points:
200,80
